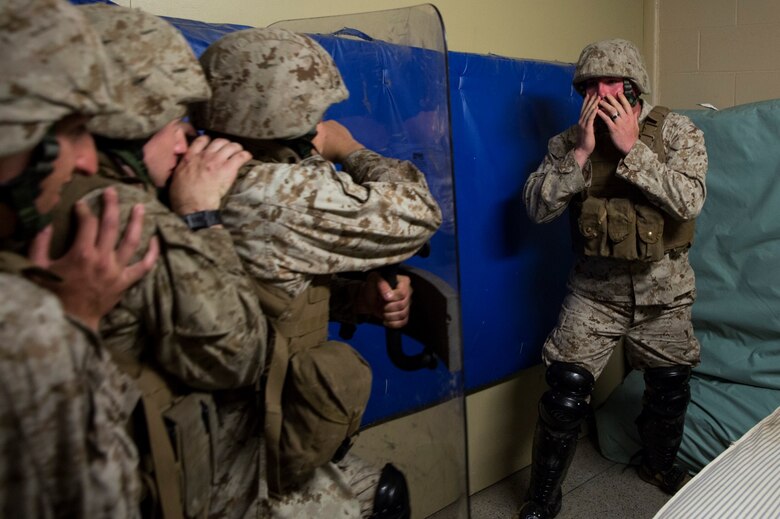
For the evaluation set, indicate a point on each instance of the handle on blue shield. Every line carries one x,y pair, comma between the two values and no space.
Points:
394,341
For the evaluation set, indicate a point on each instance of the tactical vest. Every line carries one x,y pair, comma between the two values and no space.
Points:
614,218
316,390
174,427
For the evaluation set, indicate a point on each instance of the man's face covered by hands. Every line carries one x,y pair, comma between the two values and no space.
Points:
604,85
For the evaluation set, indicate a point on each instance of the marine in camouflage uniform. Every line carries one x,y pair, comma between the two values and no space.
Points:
195,319
65,450
294,218
307,219
63,412
198,305
633,179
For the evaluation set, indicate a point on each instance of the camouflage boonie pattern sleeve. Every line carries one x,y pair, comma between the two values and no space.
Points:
65,449
196,312
676,185
549,189
290,222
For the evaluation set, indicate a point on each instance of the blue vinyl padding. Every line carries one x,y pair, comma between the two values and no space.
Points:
513,272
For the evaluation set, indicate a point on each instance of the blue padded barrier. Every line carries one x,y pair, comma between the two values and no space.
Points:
513,272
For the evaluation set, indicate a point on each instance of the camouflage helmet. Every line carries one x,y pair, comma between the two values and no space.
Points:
156,72
612,58
53,65
267,83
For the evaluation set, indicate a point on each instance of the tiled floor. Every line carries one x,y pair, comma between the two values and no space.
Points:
595,488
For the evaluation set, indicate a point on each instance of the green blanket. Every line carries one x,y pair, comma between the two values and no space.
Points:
736,316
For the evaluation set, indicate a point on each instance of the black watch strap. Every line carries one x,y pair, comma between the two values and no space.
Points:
202,219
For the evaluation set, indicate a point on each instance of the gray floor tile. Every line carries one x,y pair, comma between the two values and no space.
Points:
617,493
587,464
594,488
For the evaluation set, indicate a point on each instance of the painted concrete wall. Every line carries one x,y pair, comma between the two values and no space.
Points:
553,30
723,52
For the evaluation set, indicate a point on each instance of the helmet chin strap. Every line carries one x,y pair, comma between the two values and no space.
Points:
129,152
302,145
21,192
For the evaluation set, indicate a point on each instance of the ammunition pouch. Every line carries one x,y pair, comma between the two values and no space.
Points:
621,229
315,390
650,227
615,219
177,443
325,392
593,226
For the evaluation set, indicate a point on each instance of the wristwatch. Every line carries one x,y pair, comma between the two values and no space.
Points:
202,219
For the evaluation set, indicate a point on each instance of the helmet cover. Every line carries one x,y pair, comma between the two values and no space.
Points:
156,72
53,65
612,58
267,83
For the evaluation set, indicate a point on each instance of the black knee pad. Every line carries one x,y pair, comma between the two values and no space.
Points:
565,405
391,500
667,391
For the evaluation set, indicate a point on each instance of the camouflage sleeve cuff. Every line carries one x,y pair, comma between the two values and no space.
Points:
569,165
636,160
354,158
358,162
220,237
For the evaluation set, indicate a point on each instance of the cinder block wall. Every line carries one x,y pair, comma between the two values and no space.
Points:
723,52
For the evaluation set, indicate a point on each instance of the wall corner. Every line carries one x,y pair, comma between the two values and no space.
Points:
650,44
